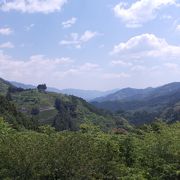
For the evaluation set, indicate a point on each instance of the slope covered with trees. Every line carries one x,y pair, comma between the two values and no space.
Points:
141,106
4,85
18,120
151,152
58,110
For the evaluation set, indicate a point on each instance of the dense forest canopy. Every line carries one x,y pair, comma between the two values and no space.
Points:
151,152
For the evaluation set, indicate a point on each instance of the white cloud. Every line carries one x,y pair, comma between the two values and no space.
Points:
115,75
5,31
69,23
138,68
172,66
77,40
89,67
140,11
121,63
146,46
178,28
37,68
88,35
33,6
154,61
57,72
28,28
166,17
7,45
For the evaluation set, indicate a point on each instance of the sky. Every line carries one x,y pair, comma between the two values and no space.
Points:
90,44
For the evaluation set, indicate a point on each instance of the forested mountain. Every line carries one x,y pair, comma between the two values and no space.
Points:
17,119
138,106
144,105
61,111
129,94
152,102
85,94
4,85
125,94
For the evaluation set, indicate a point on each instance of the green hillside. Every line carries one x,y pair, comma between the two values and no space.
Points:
44,101
4,85
39,106
144,106
17,119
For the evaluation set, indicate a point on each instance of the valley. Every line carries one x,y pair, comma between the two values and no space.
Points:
89,90
127,139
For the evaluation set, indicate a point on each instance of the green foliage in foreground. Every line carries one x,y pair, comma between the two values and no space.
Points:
150,153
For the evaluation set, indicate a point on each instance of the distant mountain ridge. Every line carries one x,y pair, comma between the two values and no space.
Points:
21,85
141,106
29,86
129,94
138,106
124,94
149,99
85,94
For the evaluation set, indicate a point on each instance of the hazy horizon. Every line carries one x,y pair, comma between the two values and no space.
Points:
90,45
117,88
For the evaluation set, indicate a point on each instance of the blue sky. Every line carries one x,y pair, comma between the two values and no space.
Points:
88,44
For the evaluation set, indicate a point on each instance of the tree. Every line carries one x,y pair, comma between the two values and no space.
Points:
58,104
35,111
13,89
8,96
42,87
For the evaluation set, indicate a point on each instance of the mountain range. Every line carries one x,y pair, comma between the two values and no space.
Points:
138,106
85,94
134,99
144,105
